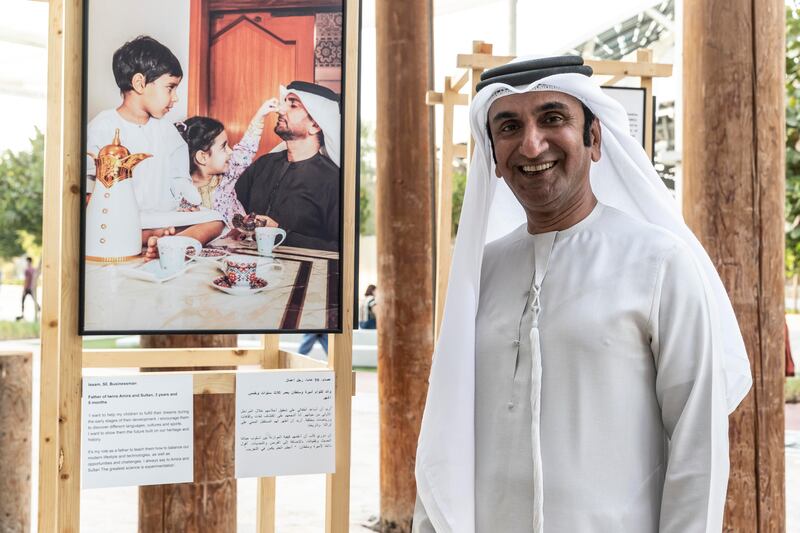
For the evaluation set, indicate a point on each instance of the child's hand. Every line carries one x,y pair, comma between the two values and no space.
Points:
235,235
151,238
269,106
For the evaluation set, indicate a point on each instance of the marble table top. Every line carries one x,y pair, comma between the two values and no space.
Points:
302,293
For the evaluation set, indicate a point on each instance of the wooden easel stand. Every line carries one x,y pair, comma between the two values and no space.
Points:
63,356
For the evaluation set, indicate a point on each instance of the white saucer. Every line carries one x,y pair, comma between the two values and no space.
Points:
151,271
222,284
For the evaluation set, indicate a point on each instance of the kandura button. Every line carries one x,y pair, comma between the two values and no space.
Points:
107,195
102,241
103,226
510,405
515,342
105,211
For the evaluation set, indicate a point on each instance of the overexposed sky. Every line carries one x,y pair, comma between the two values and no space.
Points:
23,71
543,27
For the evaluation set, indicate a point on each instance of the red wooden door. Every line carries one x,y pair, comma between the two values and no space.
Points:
250,54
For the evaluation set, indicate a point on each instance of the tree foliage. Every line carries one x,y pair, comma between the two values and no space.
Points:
21,176
366,194
793,138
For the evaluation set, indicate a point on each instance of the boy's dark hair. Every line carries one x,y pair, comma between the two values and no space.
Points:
143,55
29,259
199,134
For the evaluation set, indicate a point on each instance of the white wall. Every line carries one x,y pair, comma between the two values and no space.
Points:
112,23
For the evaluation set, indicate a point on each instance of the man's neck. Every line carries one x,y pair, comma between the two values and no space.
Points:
564,218
132,112
301,149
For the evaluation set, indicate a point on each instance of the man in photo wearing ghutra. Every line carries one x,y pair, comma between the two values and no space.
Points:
589,356
296,186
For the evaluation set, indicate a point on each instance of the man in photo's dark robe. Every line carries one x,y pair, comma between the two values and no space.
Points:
298,189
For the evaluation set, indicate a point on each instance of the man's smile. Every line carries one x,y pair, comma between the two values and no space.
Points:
536,169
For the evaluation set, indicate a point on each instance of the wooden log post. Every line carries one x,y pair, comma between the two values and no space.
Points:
15,441
209,504
405,266
734,201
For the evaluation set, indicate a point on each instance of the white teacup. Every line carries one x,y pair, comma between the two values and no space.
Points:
172,252
267,239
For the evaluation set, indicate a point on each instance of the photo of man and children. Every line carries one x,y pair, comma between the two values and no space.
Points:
213,185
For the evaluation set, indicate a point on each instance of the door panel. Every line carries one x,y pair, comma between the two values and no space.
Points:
250,56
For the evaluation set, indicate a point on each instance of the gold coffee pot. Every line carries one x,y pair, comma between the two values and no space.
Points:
113,223
115,162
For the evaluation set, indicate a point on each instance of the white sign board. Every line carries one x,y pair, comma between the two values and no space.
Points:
284,423
137,430
633,100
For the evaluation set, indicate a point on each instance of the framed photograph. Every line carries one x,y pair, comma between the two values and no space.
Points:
633,99
213,173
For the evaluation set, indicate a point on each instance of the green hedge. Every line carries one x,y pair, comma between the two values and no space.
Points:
13,330
792,390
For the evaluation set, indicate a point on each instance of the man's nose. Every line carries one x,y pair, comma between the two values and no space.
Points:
533,143
175,97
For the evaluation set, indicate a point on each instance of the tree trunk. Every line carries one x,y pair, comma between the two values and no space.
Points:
404,239
734,201
15,441
209,504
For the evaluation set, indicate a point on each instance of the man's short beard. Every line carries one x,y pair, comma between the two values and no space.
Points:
284,133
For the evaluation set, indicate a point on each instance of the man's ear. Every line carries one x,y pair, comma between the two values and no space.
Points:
138,81
596,136
314,128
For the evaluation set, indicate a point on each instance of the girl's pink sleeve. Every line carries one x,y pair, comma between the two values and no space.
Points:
225,200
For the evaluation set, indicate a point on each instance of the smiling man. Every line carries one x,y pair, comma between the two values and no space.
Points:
578,383
297,187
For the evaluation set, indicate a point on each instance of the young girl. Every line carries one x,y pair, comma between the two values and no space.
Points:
214,166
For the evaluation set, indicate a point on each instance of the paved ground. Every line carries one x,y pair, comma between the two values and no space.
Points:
301,499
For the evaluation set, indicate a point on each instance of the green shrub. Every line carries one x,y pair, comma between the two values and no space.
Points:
792,390
22,329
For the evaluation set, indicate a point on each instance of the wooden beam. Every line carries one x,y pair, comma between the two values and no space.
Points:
295,361
340,354
405,244
434,98
51,261
646,82
70,347
172,357
733,199
630,68
444,202
600,67
266,492
481,61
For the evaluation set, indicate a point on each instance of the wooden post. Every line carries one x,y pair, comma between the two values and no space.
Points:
645,55
340,347
734,201
444,209
51,258
70,345
15,441
405,269
208,504
265,506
